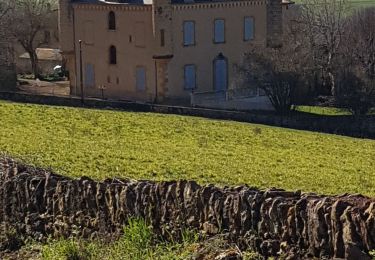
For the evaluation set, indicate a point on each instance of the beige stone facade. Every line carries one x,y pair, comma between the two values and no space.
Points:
163,50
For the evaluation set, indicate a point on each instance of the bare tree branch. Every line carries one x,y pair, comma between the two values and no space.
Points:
27,23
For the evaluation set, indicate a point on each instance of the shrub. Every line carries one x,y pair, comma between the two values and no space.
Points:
355,92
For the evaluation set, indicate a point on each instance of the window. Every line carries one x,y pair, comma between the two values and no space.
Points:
111,21
140,79
248,28
219,31
89,75
189,33
112,55
189,77
162,38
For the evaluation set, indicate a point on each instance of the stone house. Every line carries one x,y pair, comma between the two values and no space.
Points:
47,59
162,50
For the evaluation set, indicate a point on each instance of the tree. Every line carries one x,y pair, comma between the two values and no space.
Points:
355,91
356,81
27,22
276,71
5,7
324,25
359,44
283,73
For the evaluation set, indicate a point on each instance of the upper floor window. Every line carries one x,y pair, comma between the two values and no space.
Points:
248,28
189,77
162,37
112,55
189,33
219,31
111,21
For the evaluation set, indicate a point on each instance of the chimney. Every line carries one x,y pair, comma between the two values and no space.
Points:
66,24
274,23
162,27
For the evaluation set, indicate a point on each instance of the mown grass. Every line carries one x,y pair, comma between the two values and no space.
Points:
327,111
104,144
353,3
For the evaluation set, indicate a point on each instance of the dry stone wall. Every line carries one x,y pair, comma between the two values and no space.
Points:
39,203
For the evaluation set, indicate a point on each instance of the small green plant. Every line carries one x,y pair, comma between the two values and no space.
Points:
257,131
69,249
9,238
372,254
138,242
252,256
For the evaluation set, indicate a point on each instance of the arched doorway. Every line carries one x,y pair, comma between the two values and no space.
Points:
220,73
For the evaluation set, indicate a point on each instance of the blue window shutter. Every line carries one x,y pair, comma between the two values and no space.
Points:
141,79
189,76
189,33
221,74
219,31
89,75
249,28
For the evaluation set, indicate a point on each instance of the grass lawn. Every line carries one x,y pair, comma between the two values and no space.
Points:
327,111
103,143
355,3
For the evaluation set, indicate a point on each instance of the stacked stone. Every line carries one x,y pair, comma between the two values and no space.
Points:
39,203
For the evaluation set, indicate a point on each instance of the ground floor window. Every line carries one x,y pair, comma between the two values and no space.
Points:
140,79
89,77
189,77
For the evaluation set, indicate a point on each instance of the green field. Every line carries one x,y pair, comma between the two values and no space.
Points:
355,3
104,143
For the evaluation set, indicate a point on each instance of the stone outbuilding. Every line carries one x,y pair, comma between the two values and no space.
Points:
47,59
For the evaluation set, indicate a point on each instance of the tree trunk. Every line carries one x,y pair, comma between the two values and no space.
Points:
34,64
332,83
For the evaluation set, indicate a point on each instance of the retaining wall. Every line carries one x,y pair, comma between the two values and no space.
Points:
39,203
